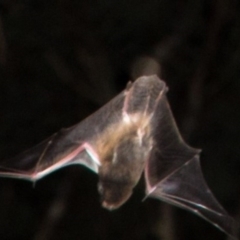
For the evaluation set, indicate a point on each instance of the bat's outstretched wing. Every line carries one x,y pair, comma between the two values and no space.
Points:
173,173
47,157
91,141
75,145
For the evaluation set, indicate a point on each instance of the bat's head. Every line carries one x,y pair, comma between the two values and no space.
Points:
114,194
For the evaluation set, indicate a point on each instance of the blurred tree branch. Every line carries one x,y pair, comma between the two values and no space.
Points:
3,44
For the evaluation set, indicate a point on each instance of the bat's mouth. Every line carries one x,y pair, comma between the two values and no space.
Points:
114,194
110,206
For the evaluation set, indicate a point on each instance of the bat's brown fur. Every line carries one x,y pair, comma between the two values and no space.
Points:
134,125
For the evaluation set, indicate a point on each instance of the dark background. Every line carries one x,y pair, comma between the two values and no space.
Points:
61,60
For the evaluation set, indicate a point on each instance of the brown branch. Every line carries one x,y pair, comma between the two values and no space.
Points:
196,95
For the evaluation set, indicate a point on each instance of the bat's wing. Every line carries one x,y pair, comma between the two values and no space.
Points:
86,142
173,173
75,145
47,157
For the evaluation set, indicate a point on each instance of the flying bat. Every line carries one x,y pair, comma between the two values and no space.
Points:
133,133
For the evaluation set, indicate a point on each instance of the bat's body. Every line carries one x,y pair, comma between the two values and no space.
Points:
134,132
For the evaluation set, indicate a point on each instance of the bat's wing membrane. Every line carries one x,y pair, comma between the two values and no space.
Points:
75,145
173,173
40,160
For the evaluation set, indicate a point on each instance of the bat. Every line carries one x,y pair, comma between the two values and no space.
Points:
134,133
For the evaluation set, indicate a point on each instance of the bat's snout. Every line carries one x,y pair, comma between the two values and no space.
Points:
110,207
113,194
